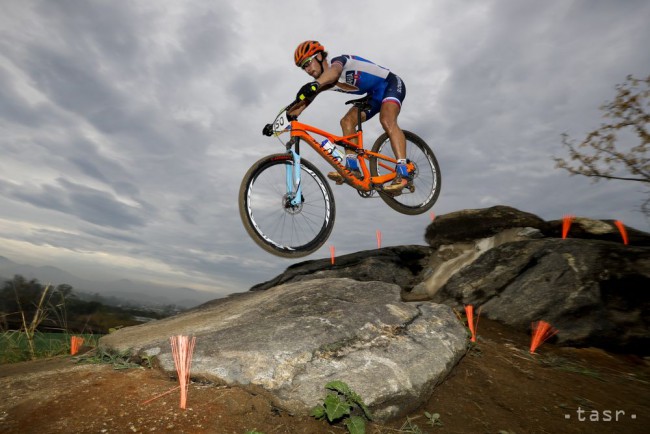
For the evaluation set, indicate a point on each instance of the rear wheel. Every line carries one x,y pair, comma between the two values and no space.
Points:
269,217
426,179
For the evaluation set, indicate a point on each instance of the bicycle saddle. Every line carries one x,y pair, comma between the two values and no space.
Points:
361,103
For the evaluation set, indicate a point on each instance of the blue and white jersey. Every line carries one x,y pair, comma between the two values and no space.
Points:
359,75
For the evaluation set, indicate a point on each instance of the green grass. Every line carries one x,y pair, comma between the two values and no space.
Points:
14,346
563,364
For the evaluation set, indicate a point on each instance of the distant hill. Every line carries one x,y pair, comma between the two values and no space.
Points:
126,291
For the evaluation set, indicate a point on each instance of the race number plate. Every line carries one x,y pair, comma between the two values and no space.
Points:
281,124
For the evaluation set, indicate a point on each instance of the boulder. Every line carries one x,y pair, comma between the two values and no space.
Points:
487,256
474,224
596,293
400,265
448,259
292,339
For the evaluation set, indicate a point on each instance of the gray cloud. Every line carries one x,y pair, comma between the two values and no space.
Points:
86,203
127,126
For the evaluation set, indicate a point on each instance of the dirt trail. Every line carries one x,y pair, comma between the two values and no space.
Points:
497,387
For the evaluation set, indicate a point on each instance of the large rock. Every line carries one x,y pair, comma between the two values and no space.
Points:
448,259
292,339
474,224
400,265
479,257
597,293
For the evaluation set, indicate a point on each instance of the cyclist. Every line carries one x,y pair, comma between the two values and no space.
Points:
353,74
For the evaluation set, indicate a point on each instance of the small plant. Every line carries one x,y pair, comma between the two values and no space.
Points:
99,355
434,419
254,432
409,427
340,404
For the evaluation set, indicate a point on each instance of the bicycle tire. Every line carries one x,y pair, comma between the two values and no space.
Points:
426,178
286,231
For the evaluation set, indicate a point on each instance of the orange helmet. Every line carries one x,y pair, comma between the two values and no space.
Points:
306,50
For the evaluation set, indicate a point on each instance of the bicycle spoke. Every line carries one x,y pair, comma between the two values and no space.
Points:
425,179
269,217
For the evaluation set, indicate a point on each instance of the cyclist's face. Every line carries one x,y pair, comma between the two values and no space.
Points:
313,66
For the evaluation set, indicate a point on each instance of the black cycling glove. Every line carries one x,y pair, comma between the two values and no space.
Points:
307,91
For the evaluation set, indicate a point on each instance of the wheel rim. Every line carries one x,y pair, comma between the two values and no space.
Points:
424,178
281,225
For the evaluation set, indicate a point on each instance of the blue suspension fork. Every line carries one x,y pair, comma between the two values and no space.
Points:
293,180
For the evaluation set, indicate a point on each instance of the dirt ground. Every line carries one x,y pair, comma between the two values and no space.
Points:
498,387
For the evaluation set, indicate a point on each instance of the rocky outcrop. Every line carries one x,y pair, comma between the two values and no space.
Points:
382,320
292,339
517,269
400,265
473,224
467,226
449,259
595,292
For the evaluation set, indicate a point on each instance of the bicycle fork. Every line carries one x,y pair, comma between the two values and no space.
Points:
294,186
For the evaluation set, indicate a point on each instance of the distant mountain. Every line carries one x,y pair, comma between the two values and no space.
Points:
127,291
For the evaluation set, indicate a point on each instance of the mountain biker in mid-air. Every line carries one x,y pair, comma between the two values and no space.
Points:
353,74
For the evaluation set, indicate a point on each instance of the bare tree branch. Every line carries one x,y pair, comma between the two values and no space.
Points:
603,154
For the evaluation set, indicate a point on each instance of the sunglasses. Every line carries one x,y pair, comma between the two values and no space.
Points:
308,61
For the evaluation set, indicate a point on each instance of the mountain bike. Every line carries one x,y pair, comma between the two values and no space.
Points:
287,205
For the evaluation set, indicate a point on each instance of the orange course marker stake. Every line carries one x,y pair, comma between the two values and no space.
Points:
473,326
75,343
332,253
566,224
621,228
182,349
378,239
433,216
541,332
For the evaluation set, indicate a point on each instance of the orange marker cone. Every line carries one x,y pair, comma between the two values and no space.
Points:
621,228
566,224
182,349
541,332
473,326
332,253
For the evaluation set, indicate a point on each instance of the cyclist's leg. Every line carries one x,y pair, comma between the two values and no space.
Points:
349,123
388,119
348,126
391,105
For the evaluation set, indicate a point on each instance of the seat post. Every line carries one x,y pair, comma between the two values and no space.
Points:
359,127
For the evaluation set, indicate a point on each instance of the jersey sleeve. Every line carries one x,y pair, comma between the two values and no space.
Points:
341,60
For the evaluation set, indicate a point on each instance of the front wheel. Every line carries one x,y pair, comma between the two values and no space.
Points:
426,178
272,221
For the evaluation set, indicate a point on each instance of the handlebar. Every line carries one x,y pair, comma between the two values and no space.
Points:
282,120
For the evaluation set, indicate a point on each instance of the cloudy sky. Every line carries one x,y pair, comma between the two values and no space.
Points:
126,127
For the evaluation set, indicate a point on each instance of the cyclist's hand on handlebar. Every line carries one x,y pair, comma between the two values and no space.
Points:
307,91
268,130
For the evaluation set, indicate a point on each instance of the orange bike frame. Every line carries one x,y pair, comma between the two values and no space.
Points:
300,130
